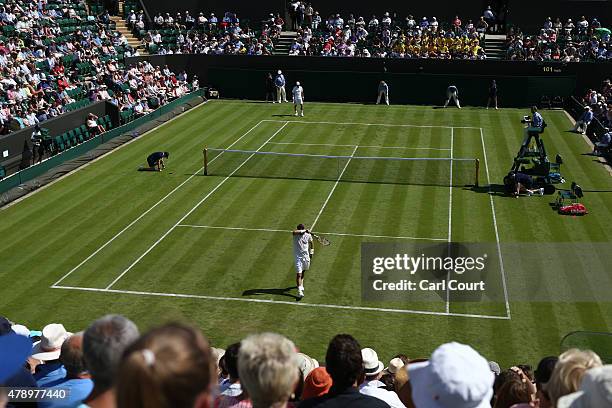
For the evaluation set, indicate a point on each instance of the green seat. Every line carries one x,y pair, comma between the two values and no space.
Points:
59,144
73,137
66,140
2,172
108,123
84,131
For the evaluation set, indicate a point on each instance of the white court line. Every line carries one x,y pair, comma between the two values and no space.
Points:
370,124
501,260
360,146
117,235
281,302
339,234
192,210
312,226
450,217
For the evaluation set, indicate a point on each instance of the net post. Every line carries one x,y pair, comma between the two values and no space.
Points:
477,172
205,161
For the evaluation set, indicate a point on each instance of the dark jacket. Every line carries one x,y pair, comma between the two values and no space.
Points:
349,397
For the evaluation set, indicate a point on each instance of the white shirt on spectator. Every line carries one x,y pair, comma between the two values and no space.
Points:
373,389
230,390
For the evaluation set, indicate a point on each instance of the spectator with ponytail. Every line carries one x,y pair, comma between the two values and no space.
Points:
168,367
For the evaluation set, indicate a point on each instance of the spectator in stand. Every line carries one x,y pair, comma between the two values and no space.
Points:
372,385
584,121
104,342
14,351
268,369
489,18
316,384
344,363
231,387
443,379
169,366
603,143
569,370
77,380
542,376
46,354
595,390
93,126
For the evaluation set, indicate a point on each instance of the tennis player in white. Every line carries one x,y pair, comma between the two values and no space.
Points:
303,249
298,99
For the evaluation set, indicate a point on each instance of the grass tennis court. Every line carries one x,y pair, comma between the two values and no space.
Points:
216,249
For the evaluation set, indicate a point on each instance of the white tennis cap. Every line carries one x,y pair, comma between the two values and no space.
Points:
298,83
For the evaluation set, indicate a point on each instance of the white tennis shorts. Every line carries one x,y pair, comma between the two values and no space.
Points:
302,263
298,102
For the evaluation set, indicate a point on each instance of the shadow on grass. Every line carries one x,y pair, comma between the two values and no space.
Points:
282,116
493,189
272,291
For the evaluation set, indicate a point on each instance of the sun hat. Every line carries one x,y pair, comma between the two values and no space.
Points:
14,350
50,344
456,376
317,383
306,364
371,364
595,390
394,365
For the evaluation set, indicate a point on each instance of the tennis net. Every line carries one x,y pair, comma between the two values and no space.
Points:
358,169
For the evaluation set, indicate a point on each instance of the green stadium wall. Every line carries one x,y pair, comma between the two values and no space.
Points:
411,81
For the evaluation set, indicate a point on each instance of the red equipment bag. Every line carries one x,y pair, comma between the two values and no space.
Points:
573,209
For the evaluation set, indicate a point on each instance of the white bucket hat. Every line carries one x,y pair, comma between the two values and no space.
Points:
455,376
371,364
50,345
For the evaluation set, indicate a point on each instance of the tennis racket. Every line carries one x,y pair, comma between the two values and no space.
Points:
322,240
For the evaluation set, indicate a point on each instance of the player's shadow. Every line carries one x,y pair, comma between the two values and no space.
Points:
272,291
282,116
493,189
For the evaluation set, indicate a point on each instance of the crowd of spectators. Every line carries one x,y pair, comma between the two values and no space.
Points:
600,103
51,55
205,34
388,37
110,364
583,40
596,119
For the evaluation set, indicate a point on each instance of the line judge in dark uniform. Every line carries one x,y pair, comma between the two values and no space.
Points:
492,95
